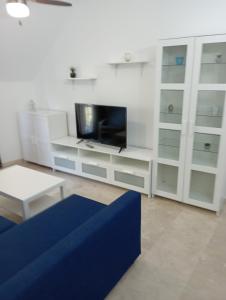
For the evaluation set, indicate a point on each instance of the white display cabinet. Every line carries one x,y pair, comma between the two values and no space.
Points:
130,169
190,121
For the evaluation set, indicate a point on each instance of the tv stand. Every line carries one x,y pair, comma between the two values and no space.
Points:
130,168
120,150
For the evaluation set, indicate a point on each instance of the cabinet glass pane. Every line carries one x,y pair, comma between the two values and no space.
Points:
213,63
202,186
94,170
167,178
65,163
169,144
171,106
205,149
129,179
173,64
210,107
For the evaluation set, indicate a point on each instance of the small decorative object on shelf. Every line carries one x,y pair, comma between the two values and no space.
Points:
127,57
179,60
73,72
32,105
170,108
219,58
207,146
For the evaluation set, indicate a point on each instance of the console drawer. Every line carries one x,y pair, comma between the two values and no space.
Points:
129,178
64,163
94,170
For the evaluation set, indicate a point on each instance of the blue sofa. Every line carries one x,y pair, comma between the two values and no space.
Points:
78,249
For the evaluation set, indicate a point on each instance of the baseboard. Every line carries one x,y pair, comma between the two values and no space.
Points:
11,163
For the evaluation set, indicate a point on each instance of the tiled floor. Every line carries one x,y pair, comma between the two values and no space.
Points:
183,247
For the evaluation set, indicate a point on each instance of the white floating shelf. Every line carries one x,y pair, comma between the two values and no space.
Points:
82,78
142,62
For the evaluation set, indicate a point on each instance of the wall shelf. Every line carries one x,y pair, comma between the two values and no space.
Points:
83,78
141,62
117,64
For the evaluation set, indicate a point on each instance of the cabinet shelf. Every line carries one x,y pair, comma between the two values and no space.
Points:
170,113
213,63
173,65
207,151
65,154
166,145
93,157
130,164
209,116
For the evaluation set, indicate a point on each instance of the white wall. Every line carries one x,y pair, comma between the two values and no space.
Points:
95,31
100,30
14,96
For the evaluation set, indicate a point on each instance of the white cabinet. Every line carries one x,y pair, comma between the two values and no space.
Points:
37,129
190,121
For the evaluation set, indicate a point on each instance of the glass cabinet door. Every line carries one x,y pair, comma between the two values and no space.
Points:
171,106
205,149
167,179
174,88
202,186
213,63
210,108
207,121
169,144
173,64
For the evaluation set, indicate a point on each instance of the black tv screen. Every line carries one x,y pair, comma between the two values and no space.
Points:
103,124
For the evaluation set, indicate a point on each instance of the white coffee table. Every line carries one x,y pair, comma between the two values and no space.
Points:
25,185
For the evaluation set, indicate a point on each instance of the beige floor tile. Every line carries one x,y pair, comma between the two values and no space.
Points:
183,247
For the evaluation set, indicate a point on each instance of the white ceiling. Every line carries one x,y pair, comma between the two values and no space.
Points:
24,48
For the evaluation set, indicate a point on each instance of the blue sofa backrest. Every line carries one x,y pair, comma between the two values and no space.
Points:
88,262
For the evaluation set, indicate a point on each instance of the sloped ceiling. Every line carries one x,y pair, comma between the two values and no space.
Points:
24,48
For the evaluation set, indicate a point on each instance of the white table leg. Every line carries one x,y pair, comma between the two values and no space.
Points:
26,211
61,192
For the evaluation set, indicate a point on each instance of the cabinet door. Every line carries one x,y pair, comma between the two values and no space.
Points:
204,165
41,128
44,156
29,149
174,75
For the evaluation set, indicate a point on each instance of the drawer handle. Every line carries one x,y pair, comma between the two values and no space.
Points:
93,164
60,156
127,172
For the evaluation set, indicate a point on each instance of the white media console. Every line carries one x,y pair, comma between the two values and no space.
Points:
131,169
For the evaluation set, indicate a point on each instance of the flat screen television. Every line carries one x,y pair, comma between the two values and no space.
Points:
100,123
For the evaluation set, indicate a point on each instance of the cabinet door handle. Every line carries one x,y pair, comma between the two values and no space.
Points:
191,128
184,127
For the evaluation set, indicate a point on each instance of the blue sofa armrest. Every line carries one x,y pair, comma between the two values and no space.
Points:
88,262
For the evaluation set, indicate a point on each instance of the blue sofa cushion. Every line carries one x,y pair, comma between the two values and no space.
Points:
88,262
41,232
5,224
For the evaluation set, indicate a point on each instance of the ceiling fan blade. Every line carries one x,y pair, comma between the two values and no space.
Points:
53,2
